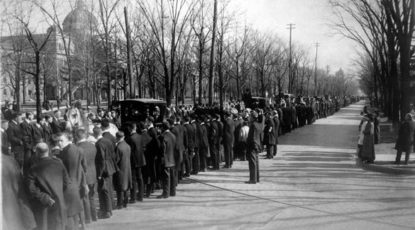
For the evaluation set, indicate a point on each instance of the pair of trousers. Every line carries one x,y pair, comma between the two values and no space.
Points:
253,166
122,198
399,154
138,183
169,181
187,162
203,158
227,147
270,151
275,150
214,156
89,205
105,194
196,161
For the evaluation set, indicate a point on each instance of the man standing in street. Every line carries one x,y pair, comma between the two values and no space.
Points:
123,180
105,167
15,135
168,148
138,161
89,152
191,135
73,159
47,181
26,127
228,139
254,143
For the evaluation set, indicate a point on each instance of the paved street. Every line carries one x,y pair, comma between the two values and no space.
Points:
313,183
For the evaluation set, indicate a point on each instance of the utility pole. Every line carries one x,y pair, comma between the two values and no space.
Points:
291,26
129,61
315,71
212,53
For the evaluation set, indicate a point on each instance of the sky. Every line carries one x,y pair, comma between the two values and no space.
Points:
311,19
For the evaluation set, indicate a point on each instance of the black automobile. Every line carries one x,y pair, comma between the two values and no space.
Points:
258,102
139,109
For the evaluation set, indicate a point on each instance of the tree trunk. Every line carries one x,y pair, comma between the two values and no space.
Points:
201,71
17,91
37,85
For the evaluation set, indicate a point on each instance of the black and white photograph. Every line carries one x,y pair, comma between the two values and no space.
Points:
207,114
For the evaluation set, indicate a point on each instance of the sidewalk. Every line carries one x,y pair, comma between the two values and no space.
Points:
385,158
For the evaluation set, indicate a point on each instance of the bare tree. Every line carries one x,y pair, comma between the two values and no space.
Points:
168,21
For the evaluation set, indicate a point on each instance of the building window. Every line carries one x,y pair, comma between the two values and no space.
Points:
4,92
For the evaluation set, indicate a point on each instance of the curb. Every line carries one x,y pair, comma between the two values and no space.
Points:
383,169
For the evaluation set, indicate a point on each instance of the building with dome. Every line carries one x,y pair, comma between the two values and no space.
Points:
54,76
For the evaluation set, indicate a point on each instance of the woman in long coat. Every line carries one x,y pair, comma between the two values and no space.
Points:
406,139
367,140
269,136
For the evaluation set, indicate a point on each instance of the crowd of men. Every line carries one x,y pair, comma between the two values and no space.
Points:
54,165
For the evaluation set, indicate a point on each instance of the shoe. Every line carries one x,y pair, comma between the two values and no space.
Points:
140,199
250,182
131,201
162,196
172,194
119,207
104,215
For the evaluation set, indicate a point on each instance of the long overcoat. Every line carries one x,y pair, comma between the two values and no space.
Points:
269,134
406,137
123,178
47,179
17,213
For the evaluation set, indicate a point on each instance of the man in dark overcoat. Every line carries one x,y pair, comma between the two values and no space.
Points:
26,127
151,150
73,159
138,161
177,131
105,167
254,143
123,179
47,181
213,145
196,144
57,122
190,133
89,152
15,135
269,135
47,129
5,143
203,144
276,130
228,139
169,147
38,134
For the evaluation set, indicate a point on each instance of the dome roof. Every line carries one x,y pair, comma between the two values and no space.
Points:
79,19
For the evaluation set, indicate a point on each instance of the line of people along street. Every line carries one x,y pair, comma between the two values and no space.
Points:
56,166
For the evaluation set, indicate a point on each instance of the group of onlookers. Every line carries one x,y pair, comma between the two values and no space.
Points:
57,163
369,135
